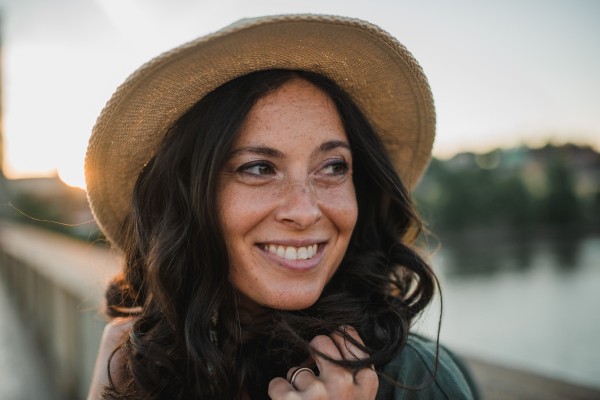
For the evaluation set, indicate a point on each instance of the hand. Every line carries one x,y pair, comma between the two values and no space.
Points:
333,382
113,335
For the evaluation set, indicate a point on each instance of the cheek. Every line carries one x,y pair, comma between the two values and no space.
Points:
341,207
239,211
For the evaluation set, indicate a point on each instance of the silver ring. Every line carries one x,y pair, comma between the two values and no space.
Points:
295,373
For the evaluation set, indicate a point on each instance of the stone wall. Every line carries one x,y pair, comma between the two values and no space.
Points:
56,284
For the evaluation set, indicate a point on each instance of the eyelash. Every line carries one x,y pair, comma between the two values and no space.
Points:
343,164
244,168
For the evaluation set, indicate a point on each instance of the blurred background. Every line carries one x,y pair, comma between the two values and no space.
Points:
512,195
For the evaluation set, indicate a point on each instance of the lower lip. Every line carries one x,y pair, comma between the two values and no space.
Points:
296,265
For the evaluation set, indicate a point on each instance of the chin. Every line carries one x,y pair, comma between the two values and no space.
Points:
293,301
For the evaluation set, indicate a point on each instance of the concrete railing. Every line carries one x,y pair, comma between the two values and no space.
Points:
56,283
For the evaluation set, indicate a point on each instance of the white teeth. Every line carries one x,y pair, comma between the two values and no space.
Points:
290,253
281,251
302,253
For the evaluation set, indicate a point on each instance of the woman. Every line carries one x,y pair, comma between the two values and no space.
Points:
248,179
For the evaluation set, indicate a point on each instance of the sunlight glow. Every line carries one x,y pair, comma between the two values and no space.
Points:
492,87
73,177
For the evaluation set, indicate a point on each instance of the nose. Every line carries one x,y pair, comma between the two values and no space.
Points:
300,208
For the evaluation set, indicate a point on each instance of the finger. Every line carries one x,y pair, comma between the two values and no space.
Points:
302,379
279,388
367,376
348,350
309,363
325,345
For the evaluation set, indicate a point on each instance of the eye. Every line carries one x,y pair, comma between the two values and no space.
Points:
336,168
258,169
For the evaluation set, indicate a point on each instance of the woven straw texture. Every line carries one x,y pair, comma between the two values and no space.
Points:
373,67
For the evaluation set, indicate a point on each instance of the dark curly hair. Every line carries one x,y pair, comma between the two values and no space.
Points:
177,267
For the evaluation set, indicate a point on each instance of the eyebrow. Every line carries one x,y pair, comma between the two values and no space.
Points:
264,151
332,144
270,152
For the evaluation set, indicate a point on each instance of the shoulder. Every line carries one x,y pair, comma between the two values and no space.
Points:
414,366
114,333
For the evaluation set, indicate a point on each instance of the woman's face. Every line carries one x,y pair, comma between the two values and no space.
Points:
286,199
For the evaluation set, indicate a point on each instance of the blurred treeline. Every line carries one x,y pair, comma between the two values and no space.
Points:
521,187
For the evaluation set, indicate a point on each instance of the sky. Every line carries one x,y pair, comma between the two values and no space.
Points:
502,74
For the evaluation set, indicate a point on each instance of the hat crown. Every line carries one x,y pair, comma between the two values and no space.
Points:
377,71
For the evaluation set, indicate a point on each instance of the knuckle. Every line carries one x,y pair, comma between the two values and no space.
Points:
290,396
276,385
343,385
346,379
368,378
345,391
375,385
350,330
319,387
318,390
369,374
319,341
322,396
273,383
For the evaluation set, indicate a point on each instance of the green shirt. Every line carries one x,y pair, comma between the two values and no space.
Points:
414,367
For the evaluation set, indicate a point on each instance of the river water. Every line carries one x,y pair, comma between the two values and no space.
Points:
528,300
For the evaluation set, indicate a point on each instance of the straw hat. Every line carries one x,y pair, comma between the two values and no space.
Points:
370,65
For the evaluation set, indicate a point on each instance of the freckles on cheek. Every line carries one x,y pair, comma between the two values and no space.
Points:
342,207
242,209
233,211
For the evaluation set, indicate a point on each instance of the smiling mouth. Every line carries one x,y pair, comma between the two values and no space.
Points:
290,252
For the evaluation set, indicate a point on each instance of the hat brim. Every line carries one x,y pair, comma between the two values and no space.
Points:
370,65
